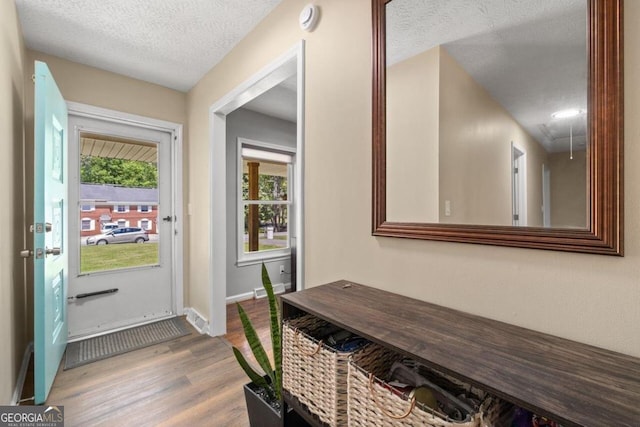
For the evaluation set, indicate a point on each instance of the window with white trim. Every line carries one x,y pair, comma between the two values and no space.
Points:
122,223
87,207
121,208
145,224
144,208
87,224
264,202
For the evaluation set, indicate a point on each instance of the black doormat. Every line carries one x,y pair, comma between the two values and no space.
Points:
97,348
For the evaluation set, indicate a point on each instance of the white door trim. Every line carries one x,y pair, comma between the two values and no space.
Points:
175,129
283,67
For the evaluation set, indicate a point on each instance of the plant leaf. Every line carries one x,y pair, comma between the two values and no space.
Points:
256,346
276,335
255,377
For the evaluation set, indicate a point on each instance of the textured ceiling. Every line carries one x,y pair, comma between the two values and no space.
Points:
531,56
172,43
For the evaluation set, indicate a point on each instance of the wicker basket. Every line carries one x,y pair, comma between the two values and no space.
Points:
313,372
373,402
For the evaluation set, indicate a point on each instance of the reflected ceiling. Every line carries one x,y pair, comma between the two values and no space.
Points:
503,44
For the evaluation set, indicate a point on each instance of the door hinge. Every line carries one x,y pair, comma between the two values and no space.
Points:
515,170
516,217
33,78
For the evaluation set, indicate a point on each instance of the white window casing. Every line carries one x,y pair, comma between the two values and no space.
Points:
254,150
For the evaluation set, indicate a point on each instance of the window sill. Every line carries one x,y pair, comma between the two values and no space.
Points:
259,259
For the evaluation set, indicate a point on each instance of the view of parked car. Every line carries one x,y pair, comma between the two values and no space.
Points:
119,235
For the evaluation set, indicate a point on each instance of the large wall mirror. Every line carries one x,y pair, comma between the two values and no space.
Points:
499,122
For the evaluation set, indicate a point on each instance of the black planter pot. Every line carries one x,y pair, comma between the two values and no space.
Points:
262,414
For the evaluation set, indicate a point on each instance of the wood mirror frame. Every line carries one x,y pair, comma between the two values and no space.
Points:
604,234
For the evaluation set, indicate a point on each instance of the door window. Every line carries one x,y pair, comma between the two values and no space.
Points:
121,185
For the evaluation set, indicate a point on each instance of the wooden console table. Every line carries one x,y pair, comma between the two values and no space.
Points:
573,383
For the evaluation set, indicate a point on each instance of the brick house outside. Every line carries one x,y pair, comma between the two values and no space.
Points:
126,206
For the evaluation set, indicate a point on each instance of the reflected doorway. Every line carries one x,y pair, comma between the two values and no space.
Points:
546,195
519,186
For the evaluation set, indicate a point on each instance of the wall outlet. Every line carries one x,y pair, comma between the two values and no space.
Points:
282,269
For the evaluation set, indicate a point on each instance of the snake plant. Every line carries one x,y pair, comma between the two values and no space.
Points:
270,381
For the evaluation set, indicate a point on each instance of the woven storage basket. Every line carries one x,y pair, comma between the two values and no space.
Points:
371,401
313,372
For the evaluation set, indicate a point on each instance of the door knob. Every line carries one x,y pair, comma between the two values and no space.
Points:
167,218
53,251
26,253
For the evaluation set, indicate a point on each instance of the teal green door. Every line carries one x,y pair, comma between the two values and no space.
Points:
49,231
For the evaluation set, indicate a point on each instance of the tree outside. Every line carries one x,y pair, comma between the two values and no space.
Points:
270,188
126,173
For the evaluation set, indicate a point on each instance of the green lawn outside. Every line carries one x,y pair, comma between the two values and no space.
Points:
112,257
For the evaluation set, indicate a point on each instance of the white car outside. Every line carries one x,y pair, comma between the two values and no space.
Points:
119,235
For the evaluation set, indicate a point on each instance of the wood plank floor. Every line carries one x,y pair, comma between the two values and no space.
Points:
193,380
258,312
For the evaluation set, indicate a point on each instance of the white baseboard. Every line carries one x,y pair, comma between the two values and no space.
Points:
278,288
201,324
22,375
197,320
240,297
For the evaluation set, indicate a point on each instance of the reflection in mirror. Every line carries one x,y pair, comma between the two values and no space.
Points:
486,112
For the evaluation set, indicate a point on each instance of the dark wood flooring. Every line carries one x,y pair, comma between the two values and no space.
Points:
193,381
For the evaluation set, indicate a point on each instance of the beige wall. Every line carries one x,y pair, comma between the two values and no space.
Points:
13,330
568,189
476,133
412,124
588,298
271,38
88,85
